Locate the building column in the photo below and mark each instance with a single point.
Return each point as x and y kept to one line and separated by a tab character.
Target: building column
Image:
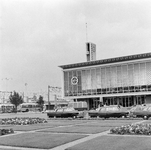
118	103
101	100
88	104
135	98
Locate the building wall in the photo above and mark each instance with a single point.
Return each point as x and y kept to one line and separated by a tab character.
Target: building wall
108	79
148	99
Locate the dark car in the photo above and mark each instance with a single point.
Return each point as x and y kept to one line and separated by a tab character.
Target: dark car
109	111
63	113
144	112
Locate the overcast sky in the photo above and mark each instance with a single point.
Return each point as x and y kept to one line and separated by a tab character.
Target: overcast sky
37	36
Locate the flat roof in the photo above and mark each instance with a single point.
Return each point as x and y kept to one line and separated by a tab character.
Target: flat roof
107	61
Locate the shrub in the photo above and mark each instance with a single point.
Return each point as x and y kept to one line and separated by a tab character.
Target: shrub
22	121
6	131
141	129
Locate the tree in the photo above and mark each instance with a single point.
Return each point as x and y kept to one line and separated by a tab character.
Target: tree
40	102
16	99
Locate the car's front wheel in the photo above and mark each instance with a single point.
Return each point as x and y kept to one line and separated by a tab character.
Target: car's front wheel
27	110
146	117
123	116
73	117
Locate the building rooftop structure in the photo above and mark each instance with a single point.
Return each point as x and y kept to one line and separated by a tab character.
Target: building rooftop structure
107	61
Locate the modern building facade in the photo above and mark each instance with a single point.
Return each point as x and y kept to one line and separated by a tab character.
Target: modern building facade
122	81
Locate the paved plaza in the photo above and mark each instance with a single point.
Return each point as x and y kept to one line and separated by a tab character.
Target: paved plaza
71	134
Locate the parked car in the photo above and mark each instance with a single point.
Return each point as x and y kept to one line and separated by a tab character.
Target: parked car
135	109
109	111
63	113
142	112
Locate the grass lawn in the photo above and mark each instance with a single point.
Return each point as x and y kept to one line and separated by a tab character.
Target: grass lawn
7	148
52	123
86	126
115	143
28	127
38	140
107	124
148	121
77	129
4	126
66	122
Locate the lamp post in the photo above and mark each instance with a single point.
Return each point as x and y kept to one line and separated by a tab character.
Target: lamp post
6	82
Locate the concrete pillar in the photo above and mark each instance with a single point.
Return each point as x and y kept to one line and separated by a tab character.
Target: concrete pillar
88	104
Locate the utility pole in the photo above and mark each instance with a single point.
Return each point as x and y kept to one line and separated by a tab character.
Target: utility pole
54	90
25	94
48	98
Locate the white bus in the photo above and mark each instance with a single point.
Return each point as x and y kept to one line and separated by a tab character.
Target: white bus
6	108
25	107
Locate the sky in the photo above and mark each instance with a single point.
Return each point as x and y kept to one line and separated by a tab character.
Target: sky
37	36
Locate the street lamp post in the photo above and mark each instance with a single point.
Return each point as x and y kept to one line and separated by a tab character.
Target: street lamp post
6	82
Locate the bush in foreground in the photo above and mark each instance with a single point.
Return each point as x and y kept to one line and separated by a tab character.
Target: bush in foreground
22	121
139	129
6	131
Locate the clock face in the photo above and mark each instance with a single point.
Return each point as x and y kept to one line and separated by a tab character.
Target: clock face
74	80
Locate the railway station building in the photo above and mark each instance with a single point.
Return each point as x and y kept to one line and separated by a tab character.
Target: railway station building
124	81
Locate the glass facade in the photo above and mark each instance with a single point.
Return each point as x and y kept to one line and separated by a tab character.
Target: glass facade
109	79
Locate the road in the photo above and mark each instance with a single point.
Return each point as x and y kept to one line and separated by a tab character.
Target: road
26	114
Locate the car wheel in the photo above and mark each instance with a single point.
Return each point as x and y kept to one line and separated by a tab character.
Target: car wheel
123	116
98	117
145	117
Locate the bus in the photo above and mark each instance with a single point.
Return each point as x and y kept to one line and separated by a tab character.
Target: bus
25	107
6	108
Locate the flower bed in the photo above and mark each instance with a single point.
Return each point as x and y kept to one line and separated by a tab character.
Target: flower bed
139	129
6	131
22	121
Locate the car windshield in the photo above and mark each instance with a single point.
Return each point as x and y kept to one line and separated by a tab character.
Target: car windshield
147	109
112	109
102	109
69	109
137	108
98	109
60	110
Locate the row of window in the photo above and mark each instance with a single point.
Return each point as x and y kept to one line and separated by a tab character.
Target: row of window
124	101
110	79
131	89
